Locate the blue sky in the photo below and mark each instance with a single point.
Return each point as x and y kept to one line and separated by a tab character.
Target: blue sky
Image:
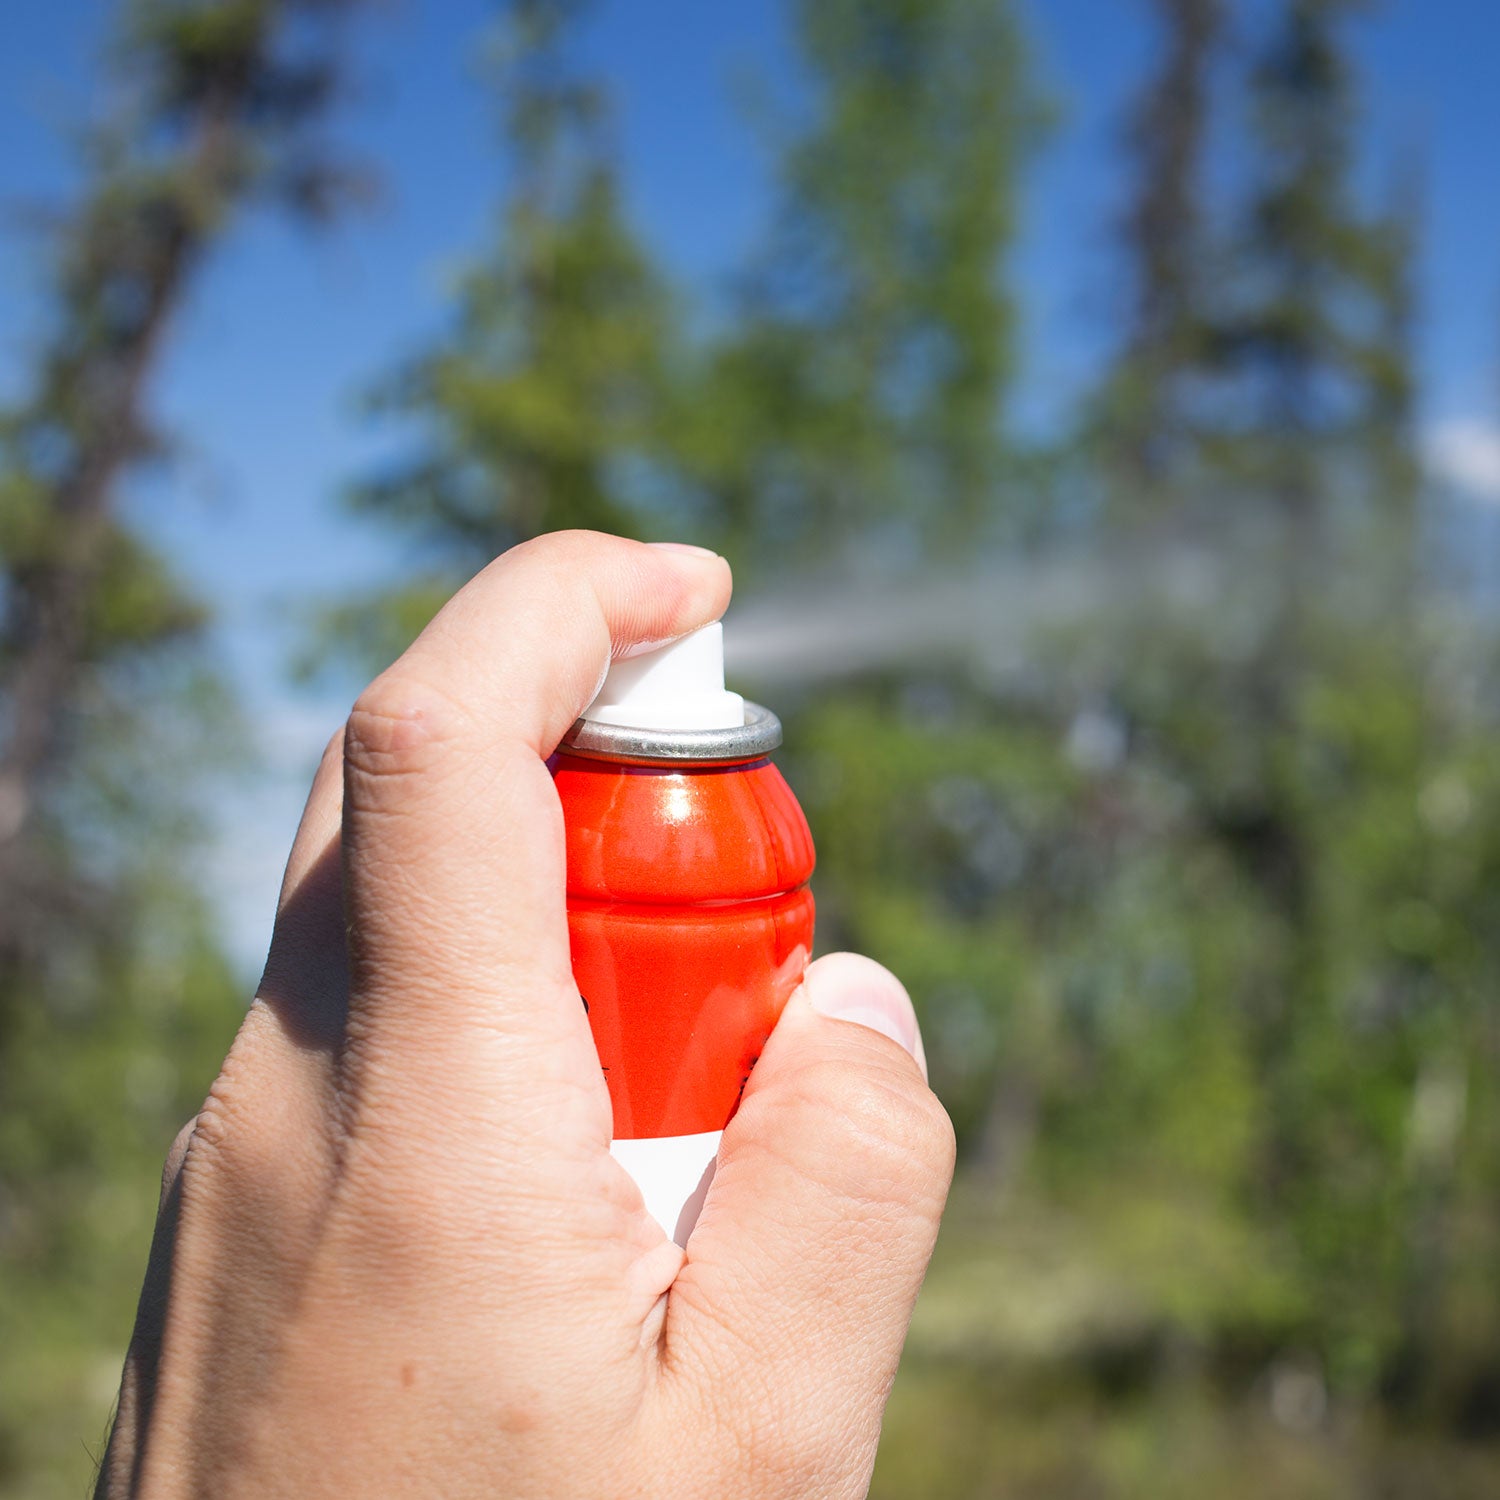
285	330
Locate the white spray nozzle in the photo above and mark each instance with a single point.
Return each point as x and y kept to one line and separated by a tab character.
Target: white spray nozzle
680	686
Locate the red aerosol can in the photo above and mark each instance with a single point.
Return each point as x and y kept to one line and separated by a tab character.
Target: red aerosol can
688	908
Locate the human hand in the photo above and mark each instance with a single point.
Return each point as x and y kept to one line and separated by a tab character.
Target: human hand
394	1255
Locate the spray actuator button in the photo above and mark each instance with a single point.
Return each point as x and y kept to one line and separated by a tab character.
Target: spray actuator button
679	686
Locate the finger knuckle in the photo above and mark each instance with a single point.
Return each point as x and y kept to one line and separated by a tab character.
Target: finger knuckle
398	726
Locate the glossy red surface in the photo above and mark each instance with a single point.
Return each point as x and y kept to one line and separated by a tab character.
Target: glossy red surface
638	833
691	925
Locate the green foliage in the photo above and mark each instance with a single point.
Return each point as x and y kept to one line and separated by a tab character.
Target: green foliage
546	387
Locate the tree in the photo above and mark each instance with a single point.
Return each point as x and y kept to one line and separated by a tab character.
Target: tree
1144	408
1290	740
1305	338
219	112
540	407
115	1001
857	404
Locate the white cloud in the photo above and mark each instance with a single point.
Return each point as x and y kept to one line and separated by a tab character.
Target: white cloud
1465	452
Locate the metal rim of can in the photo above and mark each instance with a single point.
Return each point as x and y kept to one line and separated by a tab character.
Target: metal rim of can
758	735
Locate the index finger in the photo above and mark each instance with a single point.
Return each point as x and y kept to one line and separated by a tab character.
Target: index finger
452	832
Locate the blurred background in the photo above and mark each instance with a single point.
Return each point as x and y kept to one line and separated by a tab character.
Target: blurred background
1099	402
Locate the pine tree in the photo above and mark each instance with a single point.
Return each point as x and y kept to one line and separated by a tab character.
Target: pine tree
1304	338
1144	415
1313	341
858	402
539	408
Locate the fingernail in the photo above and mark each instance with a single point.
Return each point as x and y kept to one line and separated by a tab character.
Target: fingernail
686	547
848	987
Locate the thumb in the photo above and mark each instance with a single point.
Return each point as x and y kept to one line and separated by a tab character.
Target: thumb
821	1218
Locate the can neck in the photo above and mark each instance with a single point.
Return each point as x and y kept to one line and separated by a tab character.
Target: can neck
755	738
584	760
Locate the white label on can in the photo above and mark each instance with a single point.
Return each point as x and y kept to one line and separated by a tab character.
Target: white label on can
673	1173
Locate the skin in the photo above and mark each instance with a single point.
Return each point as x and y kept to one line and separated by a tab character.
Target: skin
394	1255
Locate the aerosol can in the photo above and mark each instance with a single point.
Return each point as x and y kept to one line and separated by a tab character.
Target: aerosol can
688	908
